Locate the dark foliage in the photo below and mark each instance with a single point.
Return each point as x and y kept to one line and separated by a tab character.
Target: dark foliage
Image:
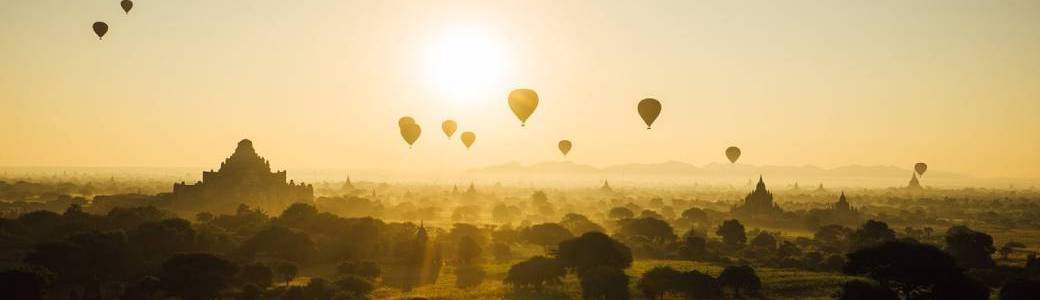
594	249
197	276
658	281
865	290
741	279
1020	289
535	272
732	233
604	282
971	249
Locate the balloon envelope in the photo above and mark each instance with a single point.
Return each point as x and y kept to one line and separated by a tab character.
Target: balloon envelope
649	109
127	5
523	102
405	120
410	133
565	147
100	28
920	168
468	138
449	127
733	153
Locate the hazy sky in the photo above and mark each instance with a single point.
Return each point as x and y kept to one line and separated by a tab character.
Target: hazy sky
321	83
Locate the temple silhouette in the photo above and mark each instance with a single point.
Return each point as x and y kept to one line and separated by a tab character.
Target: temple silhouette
914	184
842	207
243	178
758	203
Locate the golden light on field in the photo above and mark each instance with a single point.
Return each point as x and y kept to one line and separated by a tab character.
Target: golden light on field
465	64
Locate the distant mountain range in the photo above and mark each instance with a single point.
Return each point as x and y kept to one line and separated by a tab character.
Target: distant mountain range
682	169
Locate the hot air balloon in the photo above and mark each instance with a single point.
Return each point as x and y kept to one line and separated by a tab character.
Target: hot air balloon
523	102
127	5
565	147
733	153
410	133
649	109
449	127
468	138
405	120
100	28
920	168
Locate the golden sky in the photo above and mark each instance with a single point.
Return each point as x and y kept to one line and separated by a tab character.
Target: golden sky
322	83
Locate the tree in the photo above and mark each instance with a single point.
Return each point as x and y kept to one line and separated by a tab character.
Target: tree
535	272
971	249
833	263
604	282
579	224
249	292
197	276
695	215
959	286
163	238
297	215
288	271
1009	248
22	284
594	249
546	234
871	233
788	249
764	240
740	278
834	238
1020	289
651	229
281	243
658	281
468	252
697	285
355	286
87	255
694	247
258	274
505	213
646	213
462	230
913	269
621	213
318	288
732	233
865	290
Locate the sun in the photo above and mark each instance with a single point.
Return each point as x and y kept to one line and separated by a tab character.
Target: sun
466	64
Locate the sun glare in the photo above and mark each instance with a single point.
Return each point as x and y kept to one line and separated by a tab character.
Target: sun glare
466	64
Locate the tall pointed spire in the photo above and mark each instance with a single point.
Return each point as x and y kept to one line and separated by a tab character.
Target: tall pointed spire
914	184
761	184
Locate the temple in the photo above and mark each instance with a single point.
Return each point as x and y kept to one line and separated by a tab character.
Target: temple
243	178
758	203
843	208
914	184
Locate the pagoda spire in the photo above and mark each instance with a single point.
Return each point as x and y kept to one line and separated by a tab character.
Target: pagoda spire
914	183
